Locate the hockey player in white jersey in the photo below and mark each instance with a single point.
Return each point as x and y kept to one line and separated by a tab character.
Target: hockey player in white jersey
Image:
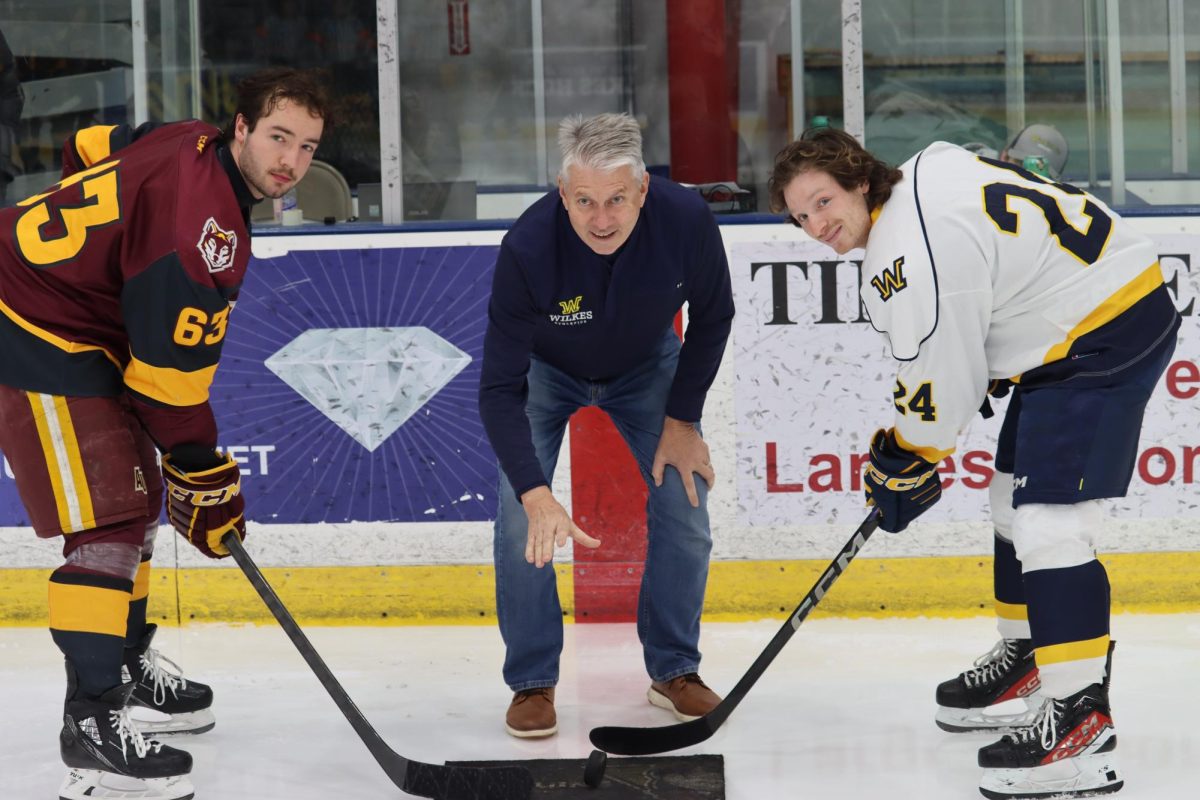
982	275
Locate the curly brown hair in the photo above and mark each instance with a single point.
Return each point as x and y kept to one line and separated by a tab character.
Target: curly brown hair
260	92
838	154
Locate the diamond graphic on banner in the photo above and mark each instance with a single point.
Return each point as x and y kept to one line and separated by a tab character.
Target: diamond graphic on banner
368	381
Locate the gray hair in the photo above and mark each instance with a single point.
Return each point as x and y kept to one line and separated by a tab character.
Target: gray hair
603	142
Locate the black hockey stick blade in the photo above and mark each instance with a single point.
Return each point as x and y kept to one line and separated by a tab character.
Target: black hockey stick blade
647	741
439	781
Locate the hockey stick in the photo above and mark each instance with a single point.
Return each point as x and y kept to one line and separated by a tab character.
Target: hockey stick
438	781
646	741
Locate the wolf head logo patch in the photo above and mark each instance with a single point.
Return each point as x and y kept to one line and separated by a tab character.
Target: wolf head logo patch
217	246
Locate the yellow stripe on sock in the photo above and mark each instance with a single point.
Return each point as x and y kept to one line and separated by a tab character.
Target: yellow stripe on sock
1012	611
88	609
1071	651
141	582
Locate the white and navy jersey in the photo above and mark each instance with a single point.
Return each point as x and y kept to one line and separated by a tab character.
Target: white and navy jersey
977	269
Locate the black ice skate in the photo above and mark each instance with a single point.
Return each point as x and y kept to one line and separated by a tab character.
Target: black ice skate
1067	752
1006	674
109	758
164	702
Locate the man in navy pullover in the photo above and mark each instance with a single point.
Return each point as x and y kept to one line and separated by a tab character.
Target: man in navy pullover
587	285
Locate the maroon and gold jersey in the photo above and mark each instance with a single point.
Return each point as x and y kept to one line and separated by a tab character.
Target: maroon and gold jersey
120	277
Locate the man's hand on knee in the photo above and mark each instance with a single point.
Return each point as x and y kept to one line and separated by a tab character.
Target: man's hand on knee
683	448
549	525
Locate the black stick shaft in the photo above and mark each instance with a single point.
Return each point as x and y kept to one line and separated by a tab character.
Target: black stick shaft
645	741
801	612
439	781
386	757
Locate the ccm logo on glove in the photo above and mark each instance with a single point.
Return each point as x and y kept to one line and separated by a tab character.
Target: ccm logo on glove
897	484
204	497
901	484
205	504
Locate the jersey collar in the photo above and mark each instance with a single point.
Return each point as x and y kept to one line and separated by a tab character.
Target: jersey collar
241	191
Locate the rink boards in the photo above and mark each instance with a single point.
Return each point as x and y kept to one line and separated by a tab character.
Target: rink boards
347	392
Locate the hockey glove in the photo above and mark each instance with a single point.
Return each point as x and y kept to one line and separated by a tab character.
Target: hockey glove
902	485
205	504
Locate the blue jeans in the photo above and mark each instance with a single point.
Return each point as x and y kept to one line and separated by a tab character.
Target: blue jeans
678	543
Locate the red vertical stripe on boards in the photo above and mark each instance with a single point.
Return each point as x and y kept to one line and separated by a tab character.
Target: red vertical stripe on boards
608	500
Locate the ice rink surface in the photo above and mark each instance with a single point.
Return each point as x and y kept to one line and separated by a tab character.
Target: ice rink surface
846	711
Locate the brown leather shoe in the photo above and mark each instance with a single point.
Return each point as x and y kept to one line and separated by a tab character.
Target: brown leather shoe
531	714
686	697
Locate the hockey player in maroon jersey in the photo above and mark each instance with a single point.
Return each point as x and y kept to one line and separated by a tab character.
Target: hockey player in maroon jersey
116	286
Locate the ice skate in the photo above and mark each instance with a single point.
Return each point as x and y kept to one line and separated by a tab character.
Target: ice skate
109	758
996	695
1068	751
164	701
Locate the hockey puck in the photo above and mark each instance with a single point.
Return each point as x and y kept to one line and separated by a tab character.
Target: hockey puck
593	773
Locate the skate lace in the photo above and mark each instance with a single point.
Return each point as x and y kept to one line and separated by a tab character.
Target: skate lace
991	664
128	733
1044	726
164	680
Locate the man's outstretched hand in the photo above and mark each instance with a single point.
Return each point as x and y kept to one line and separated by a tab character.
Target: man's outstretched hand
549	525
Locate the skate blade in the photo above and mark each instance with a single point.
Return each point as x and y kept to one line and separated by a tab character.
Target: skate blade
971	720
94	784
155	723
1082	776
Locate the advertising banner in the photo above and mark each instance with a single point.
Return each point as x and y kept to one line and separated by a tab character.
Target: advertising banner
813	381
347	391
347	388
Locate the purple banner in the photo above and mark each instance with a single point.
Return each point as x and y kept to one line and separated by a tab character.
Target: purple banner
347	388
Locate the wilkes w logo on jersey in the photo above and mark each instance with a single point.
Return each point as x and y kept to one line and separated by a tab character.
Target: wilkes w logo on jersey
217	246
891	281
571	315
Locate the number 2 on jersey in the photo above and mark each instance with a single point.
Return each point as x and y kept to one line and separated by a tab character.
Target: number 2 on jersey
101	206
1086	245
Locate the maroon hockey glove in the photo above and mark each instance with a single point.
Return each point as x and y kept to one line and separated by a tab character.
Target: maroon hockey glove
902	485
204	505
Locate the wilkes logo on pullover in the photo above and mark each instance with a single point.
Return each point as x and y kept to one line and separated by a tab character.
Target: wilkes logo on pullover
571	315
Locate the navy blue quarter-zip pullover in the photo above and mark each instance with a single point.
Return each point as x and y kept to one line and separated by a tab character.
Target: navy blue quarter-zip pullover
555	298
